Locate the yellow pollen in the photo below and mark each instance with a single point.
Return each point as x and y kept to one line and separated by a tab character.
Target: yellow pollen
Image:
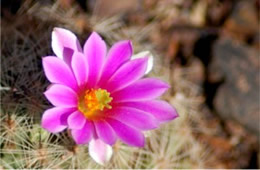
93	101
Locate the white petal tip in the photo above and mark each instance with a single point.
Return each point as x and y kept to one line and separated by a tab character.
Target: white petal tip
150	59
55	29
61	38
100	151
60	30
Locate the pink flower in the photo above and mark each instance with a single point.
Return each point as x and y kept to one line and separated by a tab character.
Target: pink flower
101	96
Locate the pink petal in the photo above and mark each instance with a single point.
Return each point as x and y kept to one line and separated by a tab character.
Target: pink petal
161	110
105	132
134	118
127	134
117	55
127	74
95	50
67	55
80	68
76	120
60	95
51	119
100	151
141	90
57	71
64	43
83	136
64	117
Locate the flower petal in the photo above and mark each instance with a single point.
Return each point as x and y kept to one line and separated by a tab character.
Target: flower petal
127	74
76	120
141	90
83	136
57	71
150	59
117	55
80	68
134	118
100	151
51	119
67	55
64	117
64	43
105	132
161	110
60	95
95	50
127	134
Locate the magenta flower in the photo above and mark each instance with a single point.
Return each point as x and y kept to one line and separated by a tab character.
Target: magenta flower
100	96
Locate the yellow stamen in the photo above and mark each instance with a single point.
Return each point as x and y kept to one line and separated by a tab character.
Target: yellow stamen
93	101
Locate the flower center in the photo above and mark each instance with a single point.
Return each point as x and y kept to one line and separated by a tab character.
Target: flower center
93	101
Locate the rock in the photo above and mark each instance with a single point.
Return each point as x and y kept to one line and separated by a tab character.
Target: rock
243	22
238	97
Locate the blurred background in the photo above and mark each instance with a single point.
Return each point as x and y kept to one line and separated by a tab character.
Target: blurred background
208	50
